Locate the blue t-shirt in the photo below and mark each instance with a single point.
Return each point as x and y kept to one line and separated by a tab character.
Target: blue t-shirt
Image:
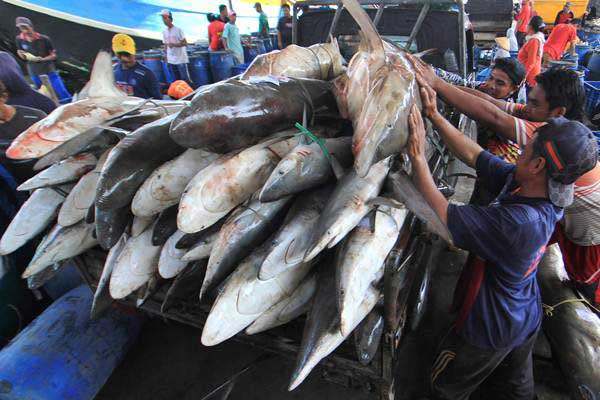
138	81
511	236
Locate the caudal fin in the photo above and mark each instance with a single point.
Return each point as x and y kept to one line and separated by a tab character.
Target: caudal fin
373	40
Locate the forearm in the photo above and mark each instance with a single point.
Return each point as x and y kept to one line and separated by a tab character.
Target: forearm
458	144
425	184
225	44
479	109
50	57
456	80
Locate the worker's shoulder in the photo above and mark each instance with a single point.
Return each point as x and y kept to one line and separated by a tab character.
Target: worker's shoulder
527	212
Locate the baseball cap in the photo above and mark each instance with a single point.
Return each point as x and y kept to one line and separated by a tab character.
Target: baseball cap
122	43
232	13
257	4
23	21
570	150
568	4
165	12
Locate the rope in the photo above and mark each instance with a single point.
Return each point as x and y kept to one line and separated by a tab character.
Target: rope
311	136
549	310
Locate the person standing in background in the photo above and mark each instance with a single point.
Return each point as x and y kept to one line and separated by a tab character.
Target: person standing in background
231	39
223	14
215	32
563	37
531	53
522	22
38	51
263	22
564	15
284	28
175	49
133	78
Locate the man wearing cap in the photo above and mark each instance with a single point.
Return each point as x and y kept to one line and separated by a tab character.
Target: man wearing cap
176	55
263	22
132	77
563	37
564	15
231	39
499	307
38	51
557	93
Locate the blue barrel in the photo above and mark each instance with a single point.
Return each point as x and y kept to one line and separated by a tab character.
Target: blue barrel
220	65
250	52
260	46
200	68
594	67
582	49
268	44
274	42
238	69
153	59
514	54
62	354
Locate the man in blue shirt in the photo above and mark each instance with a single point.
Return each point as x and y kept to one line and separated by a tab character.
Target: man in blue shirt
133	78
491	343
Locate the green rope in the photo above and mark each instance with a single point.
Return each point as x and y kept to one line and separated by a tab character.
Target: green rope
311	136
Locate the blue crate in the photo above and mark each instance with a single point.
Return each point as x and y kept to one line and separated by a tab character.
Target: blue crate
592	96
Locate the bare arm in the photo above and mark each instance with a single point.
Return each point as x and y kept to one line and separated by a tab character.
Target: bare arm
476	108
225	43
279	42
49	57
421	173
460	145
501	104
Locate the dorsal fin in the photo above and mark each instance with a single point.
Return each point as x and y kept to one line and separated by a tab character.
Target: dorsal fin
102	79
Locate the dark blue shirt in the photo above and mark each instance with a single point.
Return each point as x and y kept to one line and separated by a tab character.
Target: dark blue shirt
137	81
511	236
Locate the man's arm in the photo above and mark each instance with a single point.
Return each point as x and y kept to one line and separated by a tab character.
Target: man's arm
460	145
480	110
421	174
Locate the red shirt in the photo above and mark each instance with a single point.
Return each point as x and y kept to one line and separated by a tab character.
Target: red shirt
215	31
558	40
523	18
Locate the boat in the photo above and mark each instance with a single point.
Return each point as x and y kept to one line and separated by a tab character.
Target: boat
79	29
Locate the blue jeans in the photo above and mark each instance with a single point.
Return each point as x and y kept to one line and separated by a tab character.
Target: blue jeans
59	87
176	72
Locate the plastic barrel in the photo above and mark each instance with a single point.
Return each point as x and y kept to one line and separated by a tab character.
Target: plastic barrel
594	67
260	46
250	52
514	54
268	44
200	68
238	69
274	44
582	49
62	354
153	59
220	65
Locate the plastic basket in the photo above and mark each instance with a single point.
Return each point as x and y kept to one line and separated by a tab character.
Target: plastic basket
592	96
597	134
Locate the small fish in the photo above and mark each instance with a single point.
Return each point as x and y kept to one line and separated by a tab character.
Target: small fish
164	187
110	225
68	170
60	244
348	204
102	299
368	336
247	227
135	265
306	167
33	217
39	279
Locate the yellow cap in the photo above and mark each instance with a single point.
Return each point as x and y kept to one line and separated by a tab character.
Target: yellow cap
123	43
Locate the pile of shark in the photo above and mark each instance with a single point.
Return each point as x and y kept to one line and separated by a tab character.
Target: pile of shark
273	195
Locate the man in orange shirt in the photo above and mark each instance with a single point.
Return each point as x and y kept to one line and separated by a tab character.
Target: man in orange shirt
215	31
522	21
530	54
557	93
562	37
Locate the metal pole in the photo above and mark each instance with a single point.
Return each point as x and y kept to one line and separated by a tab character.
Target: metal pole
295	24
418	24
462	38
336	18
379	14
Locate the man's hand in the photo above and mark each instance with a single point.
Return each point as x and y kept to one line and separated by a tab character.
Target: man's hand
416	138
425	71
21	54
428	98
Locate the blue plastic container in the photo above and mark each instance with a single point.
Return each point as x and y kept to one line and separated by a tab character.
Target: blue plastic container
260	46
220	65
200	68
268	44
250	52
153	59
484	74
274	43
594	67
514	54
62	354
238	69
597	135
592	96
582	49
